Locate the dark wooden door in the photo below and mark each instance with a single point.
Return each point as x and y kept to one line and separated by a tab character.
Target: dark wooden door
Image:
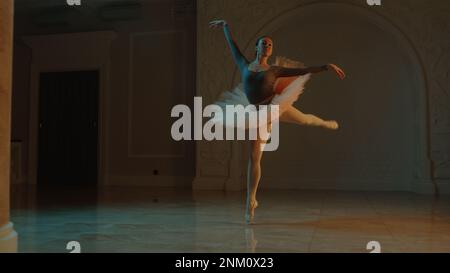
68	134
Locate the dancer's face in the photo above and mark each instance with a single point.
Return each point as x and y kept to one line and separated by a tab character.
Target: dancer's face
264	47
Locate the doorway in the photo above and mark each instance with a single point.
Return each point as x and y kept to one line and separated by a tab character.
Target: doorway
68	131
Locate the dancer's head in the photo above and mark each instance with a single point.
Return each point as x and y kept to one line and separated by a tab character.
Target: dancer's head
264	46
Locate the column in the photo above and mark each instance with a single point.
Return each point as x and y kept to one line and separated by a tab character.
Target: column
8	237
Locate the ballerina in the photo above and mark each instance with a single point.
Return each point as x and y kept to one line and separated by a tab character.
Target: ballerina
264	84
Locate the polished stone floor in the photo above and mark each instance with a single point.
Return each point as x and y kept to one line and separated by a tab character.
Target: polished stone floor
164	220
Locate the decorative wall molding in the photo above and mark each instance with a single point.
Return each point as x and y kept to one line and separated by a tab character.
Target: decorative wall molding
70	52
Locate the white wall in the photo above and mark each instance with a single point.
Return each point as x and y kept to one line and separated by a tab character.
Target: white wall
384	142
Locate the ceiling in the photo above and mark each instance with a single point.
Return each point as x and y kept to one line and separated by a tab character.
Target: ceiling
22	5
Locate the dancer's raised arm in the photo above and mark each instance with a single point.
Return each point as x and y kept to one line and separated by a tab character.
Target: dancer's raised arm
238	57
290	72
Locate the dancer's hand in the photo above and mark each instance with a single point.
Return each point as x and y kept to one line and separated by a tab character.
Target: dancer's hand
217	23
336	69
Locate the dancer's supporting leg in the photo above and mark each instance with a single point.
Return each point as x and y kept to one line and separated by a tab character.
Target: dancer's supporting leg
253	177
293	115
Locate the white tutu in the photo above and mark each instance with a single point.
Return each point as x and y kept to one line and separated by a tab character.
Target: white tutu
237	97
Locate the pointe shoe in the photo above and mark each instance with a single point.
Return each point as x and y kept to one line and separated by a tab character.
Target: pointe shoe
250	214
332	125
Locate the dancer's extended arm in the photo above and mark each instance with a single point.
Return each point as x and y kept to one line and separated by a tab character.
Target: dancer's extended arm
238	57
290	72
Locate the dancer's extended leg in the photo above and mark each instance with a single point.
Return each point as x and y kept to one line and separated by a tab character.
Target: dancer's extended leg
293	115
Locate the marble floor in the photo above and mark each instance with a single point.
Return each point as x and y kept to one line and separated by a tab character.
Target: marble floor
165	220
